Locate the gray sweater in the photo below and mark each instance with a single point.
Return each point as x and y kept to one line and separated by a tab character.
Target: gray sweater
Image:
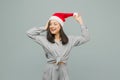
56	52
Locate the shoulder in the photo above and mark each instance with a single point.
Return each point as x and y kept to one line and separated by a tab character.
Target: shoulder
71	36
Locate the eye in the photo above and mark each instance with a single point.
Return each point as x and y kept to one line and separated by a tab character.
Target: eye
55	23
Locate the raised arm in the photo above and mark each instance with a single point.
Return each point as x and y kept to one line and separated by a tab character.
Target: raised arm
35	34
85	35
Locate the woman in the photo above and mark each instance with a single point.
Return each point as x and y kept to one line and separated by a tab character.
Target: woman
57	45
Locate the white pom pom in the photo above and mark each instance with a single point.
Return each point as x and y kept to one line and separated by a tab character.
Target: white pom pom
75	13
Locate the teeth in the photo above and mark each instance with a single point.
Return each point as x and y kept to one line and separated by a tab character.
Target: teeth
53	29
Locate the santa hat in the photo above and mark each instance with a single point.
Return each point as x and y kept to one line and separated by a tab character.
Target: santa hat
60	17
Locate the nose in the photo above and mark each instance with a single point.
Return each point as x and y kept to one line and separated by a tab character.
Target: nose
51	26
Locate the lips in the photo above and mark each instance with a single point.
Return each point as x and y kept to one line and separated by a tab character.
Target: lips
53	29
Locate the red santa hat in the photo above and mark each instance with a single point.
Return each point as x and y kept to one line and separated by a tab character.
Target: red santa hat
60	17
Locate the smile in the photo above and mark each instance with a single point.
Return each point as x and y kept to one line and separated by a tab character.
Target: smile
53	29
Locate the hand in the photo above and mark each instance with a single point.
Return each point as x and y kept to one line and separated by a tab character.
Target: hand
78	18
46	25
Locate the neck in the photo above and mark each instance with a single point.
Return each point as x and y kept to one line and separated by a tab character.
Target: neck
57	37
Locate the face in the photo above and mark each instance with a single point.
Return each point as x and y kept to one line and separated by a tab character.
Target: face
54	27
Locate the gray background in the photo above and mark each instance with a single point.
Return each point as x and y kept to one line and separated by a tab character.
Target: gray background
23	59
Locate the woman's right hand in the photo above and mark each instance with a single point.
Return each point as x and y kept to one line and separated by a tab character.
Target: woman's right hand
46	26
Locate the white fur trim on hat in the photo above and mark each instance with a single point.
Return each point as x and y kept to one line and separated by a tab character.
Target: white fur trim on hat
75	13
57	19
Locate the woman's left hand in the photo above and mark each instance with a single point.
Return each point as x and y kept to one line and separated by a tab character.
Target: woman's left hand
78	18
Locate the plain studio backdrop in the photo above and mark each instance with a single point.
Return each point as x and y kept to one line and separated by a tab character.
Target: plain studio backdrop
23	59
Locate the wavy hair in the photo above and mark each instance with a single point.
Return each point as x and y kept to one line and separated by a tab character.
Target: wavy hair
51	37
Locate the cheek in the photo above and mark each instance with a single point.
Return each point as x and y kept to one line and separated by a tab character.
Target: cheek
58	29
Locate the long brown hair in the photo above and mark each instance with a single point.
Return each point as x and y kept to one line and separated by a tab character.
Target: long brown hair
51	37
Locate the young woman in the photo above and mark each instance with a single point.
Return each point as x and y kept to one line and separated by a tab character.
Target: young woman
57	45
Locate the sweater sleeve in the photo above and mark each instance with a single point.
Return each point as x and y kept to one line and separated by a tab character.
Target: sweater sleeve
35	34
83	38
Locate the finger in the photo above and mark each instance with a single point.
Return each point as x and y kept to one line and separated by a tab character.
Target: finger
74	15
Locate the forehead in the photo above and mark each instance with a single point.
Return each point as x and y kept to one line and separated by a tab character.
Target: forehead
54	21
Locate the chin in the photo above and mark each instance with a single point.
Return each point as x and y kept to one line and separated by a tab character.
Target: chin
53	33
